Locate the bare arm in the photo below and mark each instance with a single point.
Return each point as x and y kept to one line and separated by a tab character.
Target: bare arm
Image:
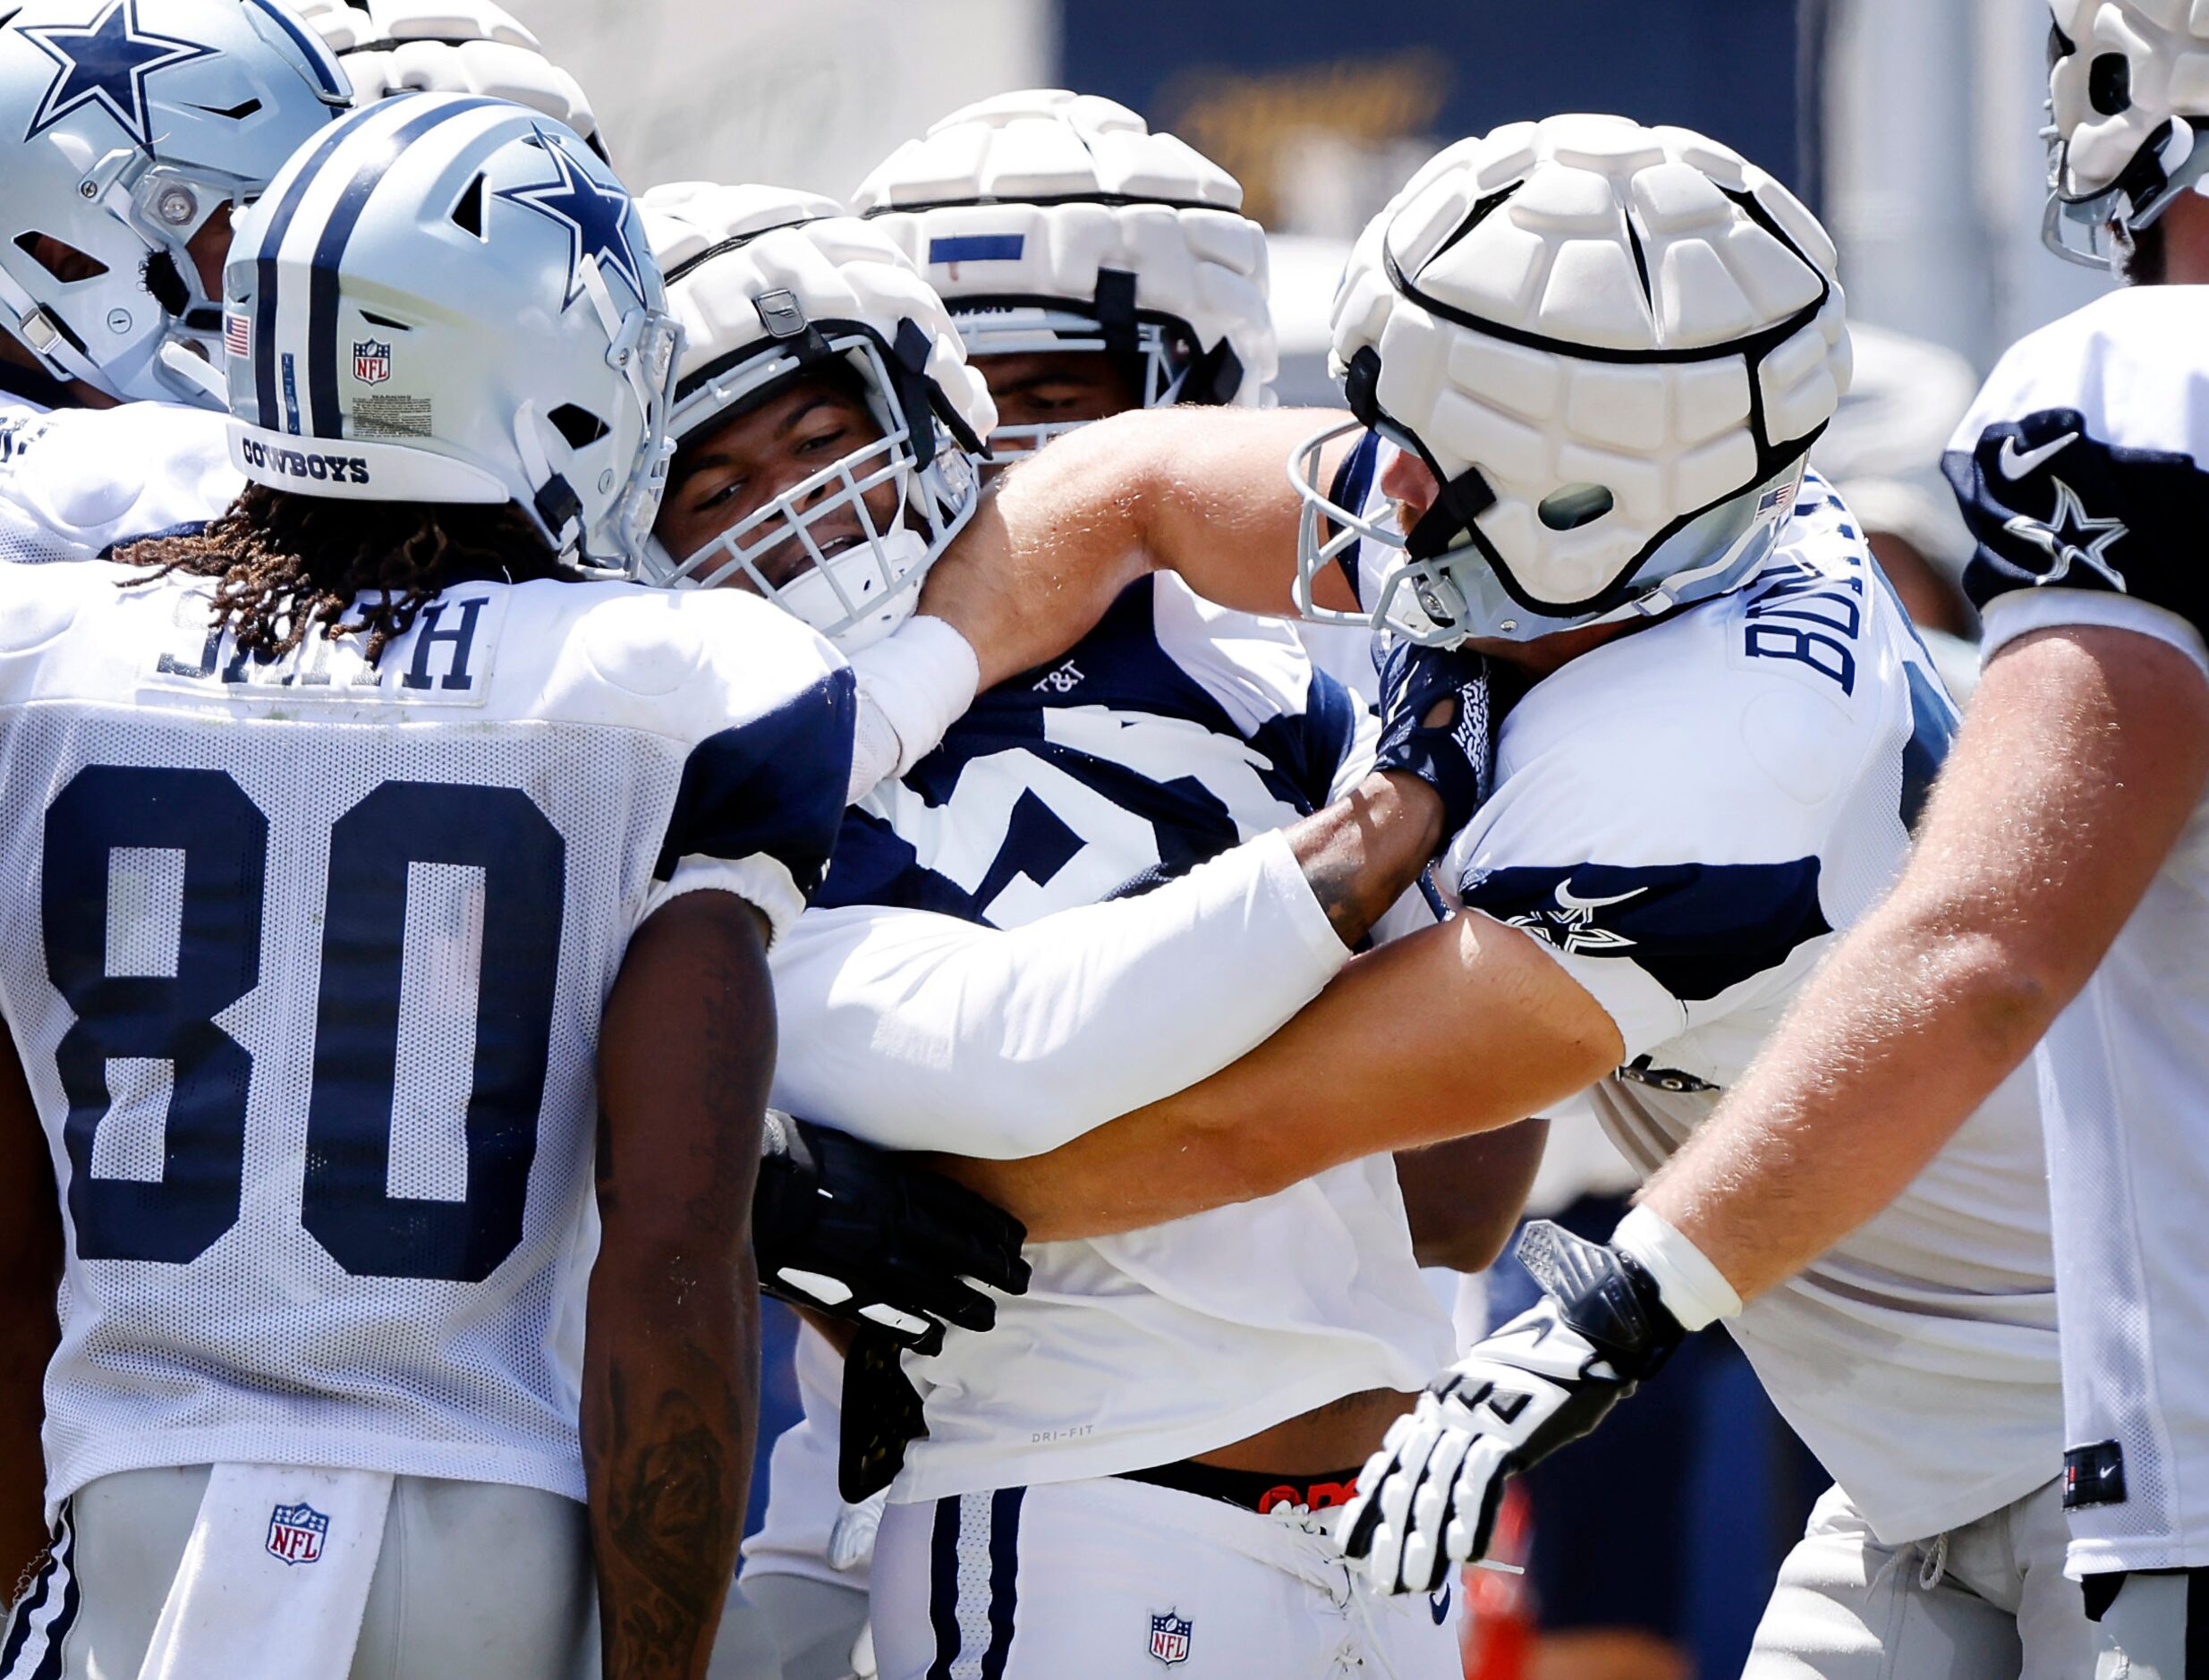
671	1358
2084	754
1203	492
1459	1028
1463	1197
30	1274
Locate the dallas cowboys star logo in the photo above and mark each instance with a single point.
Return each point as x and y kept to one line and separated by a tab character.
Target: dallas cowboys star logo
596	218
2072	539
1570	928
105	62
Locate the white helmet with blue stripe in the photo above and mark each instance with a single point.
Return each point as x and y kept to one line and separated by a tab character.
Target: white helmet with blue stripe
1611	346
1057	221
130	124
451	299
771	284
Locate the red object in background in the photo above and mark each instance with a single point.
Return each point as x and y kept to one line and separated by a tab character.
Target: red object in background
1498	1636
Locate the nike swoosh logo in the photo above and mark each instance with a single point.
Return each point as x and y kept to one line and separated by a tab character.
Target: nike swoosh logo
1439	1605
2017	462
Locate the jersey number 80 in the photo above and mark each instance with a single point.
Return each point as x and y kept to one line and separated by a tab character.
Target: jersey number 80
345	1204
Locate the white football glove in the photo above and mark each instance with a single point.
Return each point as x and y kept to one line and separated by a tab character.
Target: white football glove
389	47
1426	1502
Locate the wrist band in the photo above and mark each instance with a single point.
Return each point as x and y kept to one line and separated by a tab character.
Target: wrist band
1694	1291
916	683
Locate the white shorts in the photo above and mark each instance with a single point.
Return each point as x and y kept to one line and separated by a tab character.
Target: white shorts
1988	1601
794	1625
1108	1579
474	1578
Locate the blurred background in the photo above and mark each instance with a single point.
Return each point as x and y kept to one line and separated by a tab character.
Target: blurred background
1910	126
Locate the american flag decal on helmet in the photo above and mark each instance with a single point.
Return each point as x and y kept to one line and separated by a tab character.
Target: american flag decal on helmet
237	335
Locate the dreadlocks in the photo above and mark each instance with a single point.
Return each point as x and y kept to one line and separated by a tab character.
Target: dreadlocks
285	562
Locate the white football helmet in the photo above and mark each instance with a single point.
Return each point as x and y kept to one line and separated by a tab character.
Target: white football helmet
1613	347
2129	116
387	47
129	123
1057	221
451	299
769	282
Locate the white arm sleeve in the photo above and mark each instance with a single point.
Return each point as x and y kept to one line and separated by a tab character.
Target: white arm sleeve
917	1030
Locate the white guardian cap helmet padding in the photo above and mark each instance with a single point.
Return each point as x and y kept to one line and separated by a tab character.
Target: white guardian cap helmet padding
1612	345
451	299
129	123
388	46
2129	119
1057	221
770	284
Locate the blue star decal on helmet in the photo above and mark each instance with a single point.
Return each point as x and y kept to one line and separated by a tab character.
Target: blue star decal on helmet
105	62
596	218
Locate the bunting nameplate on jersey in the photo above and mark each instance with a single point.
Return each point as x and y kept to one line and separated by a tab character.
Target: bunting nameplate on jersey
2051	503
443	660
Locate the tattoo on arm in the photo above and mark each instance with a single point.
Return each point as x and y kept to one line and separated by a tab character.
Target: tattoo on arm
668	1484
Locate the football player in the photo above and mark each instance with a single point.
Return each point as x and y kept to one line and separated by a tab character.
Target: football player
386	980
1070	315
135	129
962	988
1585	361
2058	884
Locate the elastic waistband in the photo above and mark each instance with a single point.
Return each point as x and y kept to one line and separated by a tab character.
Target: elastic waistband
1250	1490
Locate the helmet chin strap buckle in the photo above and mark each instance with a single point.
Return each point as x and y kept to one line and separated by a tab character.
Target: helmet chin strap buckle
41	332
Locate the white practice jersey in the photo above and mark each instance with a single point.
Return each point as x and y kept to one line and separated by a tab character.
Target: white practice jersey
306	962
1170	733
75	482
2084	471
1685	817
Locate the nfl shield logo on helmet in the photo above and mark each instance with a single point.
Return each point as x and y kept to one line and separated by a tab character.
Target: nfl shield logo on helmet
296	1532
371	362
1169	1638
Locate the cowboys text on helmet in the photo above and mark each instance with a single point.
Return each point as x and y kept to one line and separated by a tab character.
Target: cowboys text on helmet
451	299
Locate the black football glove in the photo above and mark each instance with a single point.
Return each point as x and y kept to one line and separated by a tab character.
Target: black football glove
881	1413
1456	757
863	1235
1426	1502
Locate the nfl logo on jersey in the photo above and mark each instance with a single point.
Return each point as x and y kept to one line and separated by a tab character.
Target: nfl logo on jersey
296	1534
371	361
1169	1638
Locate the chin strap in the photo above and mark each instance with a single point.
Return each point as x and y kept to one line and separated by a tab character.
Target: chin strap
1458	501
197	373
554	500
